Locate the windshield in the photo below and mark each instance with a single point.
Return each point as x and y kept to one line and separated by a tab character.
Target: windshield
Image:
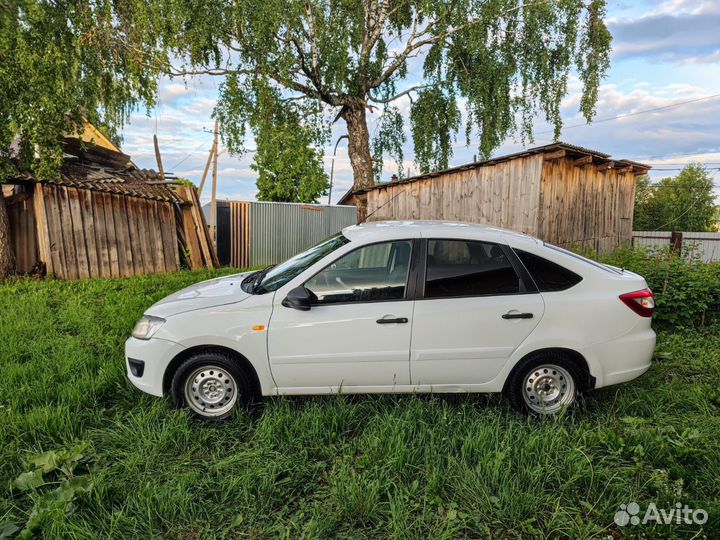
279	275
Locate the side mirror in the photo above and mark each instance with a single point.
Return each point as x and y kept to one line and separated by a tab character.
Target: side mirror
299	298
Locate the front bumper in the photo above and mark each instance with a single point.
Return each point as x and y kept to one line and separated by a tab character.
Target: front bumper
155	355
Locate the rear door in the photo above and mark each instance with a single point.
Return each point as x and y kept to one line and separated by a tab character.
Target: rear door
472	311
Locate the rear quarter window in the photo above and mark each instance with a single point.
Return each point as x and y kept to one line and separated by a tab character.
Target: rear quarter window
548	276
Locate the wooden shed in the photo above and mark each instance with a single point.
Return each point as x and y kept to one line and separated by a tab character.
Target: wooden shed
104	217
563	194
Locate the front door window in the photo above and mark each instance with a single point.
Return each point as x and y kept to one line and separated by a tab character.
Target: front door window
373	273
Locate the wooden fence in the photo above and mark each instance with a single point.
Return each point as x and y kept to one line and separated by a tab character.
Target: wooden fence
84	233
705	245
22	231
240	240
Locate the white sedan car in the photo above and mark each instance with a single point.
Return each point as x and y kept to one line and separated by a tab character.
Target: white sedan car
397	307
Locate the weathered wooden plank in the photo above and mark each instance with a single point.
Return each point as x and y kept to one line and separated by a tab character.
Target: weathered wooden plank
191	237
57	248
154	240
78	232
248	232
585	160
122	237
202	234
236	238
557	154
214	262
107	203
41	225
71	268
414	200
86	207
166	219
159	237
101	241
133	236
140	217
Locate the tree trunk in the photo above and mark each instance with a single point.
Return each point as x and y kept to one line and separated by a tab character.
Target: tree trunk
359	152
7	257
359	146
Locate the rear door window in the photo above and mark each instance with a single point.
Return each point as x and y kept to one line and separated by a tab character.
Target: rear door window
468	268
548	276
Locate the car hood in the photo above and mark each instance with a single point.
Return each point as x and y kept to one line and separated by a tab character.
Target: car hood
210	293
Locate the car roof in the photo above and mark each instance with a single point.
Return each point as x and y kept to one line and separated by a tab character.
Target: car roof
376	231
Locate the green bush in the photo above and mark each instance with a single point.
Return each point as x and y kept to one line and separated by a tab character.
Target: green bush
687	290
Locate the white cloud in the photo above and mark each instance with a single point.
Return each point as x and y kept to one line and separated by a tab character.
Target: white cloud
679	31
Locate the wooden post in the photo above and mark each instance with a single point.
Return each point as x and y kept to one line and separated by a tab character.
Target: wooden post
213	199
41	226
676	241
159	159
213	149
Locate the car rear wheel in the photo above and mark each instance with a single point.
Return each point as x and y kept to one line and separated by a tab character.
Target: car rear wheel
546	383
211	385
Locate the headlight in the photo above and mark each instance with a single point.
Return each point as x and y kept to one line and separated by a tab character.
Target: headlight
147	326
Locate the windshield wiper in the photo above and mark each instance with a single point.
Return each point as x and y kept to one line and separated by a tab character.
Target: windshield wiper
256	279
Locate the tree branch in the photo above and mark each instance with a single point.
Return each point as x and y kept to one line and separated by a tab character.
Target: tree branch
401	94
412	46
313	38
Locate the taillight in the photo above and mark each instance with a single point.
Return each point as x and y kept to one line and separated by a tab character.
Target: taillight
641	302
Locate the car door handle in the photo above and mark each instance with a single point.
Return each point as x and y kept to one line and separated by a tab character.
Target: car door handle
399	320
518	316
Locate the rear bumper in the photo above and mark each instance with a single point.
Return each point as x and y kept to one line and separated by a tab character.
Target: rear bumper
154	355
622	359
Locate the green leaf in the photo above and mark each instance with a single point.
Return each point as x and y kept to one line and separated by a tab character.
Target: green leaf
47	461
29	480
68	490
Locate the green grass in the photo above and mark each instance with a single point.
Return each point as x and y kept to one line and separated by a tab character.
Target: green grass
340	467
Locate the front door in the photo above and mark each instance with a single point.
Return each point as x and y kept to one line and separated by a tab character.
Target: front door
357	333
474	312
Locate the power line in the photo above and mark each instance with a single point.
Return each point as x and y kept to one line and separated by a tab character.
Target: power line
627	115
183	160
690	207
649	158
683	168
681	164
665	186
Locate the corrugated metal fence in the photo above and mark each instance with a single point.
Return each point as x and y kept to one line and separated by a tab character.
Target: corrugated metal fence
264	233
705	245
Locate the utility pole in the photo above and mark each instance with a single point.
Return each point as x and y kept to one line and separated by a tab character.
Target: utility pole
213	200
213	149
332	167
158	158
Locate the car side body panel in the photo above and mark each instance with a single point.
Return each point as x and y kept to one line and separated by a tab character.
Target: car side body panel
588	318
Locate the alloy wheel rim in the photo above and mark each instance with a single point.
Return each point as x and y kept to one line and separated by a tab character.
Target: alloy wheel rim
547	389
210	391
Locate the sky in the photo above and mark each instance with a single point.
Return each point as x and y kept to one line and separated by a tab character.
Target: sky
663	84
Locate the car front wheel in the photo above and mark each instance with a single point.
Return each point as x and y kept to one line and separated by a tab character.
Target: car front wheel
544	384
211	385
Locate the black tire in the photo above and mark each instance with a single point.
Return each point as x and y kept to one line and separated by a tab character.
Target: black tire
542	384
232	384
